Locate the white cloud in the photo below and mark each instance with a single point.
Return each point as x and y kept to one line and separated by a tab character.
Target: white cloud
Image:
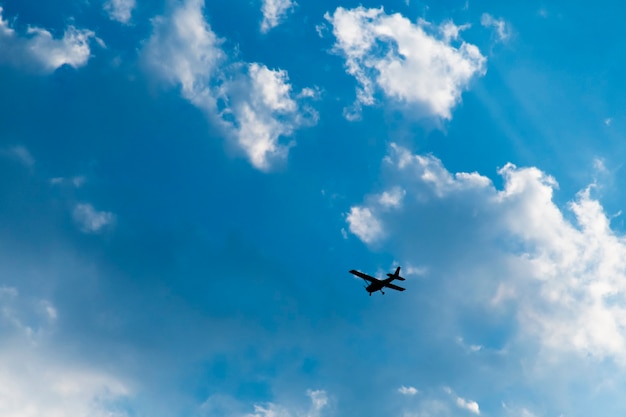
264	110
32	384
268	410
468	405
319	401
90	220
519	412
77	181
184	51
469	348
120	10
274	12
253	104
566	278
72	49
410	391
408	270
450	31
5	29
364	224
35	380
502	28
392	198
21	154
307	92
40	50
8	291
411	63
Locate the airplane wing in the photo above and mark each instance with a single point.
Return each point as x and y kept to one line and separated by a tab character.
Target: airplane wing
394	287
364	276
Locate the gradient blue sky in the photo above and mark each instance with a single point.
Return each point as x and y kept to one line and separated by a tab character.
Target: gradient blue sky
185	184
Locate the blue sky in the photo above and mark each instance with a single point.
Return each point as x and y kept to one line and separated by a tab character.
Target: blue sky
184	186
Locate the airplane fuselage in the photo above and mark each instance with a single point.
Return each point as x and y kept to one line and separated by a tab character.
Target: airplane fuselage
379	285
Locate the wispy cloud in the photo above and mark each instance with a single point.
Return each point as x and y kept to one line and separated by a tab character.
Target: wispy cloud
224	405
120	10
90	220
21	154
35	380
502	28
410	391
76	182
411	63
392	197
274	12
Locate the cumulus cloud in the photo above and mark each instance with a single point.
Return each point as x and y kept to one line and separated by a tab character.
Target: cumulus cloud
411	63
264	109
120	10
274	12
565	271
501	27
255	106
90	220
39	50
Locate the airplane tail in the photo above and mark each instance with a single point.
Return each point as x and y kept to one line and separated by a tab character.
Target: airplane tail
396	275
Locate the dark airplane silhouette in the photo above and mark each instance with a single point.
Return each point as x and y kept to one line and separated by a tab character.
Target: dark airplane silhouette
379	284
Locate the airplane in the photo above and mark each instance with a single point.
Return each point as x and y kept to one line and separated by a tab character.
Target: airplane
379	284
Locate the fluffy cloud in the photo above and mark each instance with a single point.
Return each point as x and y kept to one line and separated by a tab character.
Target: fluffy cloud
120	10
264	110
253	104
468	405
564	272
363	223
274	11
90	220
34	380
411	63
39	50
